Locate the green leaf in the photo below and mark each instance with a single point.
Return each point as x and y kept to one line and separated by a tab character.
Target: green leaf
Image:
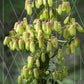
56	15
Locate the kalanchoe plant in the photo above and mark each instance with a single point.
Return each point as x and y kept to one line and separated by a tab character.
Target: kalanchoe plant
41	40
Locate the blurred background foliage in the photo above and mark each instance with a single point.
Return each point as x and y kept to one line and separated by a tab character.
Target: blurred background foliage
13	61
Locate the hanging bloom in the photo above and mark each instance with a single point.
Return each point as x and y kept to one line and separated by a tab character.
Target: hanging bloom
40	2
29	9
27	44
47	72
66	20
37	63
60	9
36	4
30	61
54	42
15	45
21	44
15	26
72	46
25	35
68	8
19	79
32	46
26	3
44	26
48	27
45	14
62	61
64	6
65	33
25	20
40	33
6	40
38	26
68	50
50	2
49	46
41	41
44	2
36	73
60	75
20	28
56	25
77	41
11	45
72	30
25	72
54	76
79	28
43	58
59	54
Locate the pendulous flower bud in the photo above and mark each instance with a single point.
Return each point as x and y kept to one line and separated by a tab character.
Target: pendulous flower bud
64	72
62	61
48	27
44	26
50	2
20	28
79	28
49	46
68	8
40	33
25	35
38	26
41	41
77	41
40	2
25	21
30	61
25	72
19	80
45	14
67	50
37	4
27	44
15	45
64	6
32	47
66	20
47	72
54	42
36	73
37	63
54	76
72	46
56	25
26	3
59	54
60	9
21	44
29	9
43	59
44	2
6	40
11	45
65	33
72	30
60	76
15	26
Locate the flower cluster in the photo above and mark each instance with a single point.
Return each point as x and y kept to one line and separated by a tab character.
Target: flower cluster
41	39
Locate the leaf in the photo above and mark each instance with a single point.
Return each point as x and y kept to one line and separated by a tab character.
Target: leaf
56	15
